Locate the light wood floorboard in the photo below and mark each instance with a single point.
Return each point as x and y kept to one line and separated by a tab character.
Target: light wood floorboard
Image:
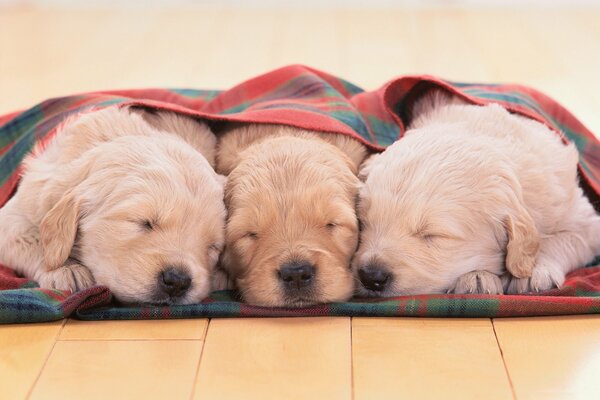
110	369
24	350
190	329
414	358
552	358
282	358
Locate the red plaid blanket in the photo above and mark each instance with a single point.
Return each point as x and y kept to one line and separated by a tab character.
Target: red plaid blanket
310	99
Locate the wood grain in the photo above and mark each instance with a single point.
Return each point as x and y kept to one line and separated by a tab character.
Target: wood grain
161	369
415	358
282	358
23	353
552	358
135	330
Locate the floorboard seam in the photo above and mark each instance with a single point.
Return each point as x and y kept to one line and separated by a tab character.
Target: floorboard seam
352	395
37	378
512	387
205	337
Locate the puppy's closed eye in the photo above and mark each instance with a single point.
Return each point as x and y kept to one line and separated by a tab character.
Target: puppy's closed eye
430	233
428	237
250	235
147	225
426	233
433	237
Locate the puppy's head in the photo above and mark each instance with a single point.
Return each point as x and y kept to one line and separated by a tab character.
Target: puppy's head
435	206
147	218
292	226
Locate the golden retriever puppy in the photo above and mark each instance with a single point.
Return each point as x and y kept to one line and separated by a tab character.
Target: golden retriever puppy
292	226
470	195
116	201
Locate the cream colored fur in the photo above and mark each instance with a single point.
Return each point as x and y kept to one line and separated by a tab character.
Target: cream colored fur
79	214
474	200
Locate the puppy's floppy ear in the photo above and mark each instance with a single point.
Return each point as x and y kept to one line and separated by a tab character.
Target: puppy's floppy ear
523	243
58	230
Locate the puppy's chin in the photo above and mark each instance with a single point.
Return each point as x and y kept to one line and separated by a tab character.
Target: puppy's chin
147	293
270	292
282	300
410	284
157	299
363	292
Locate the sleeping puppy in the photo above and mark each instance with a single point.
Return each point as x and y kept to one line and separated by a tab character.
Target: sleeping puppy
472	200
118	201
292	226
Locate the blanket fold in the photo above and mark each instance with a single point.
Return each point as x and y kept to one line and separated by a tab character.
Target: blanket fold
306	98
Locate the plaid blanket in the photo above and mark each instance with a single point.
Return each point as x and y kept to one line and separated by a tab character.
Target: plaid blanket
306	98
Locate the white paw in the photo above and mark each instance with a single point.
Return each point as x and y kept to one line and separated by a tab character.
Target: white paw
72	277
482	282
545	276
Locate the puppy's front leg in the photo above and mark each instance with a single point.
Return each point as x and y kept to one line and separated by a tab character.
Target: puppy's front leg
557	257
478	282
21	249
71	276
20	243
560	254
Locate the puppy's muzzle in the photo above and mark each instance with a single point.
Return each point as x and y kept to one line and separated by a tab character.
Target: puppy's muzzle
174	282
374	277
297	275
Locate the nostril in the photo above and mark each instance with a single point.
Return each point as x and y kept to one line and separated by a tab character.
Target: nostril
296	275
306	276
174	281
374	277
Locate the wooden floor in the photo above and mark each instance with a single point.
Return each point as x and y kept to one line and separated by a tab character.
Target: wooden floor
51	52
303	358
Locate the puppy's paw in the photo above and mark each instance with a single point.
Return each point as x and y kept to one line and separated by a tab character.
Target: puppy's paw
545	276
482	282
518	285
71	276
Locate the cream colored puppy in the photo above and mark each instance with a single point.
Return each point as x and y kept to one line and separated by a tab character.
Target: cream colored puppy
121	202
292	226
469	195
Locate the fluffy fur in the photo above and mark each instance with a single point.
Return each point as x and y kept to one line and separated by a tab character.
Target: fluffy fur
116	201
291	198
473	200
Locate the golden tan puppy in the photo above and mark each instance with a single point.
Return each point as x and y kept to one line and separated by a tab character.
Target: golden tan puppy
116	201
469	195
292	226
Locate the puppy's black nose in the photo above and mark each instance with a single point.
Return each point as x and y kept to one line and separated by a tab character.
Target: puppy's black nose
297	275
374	277
174	281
